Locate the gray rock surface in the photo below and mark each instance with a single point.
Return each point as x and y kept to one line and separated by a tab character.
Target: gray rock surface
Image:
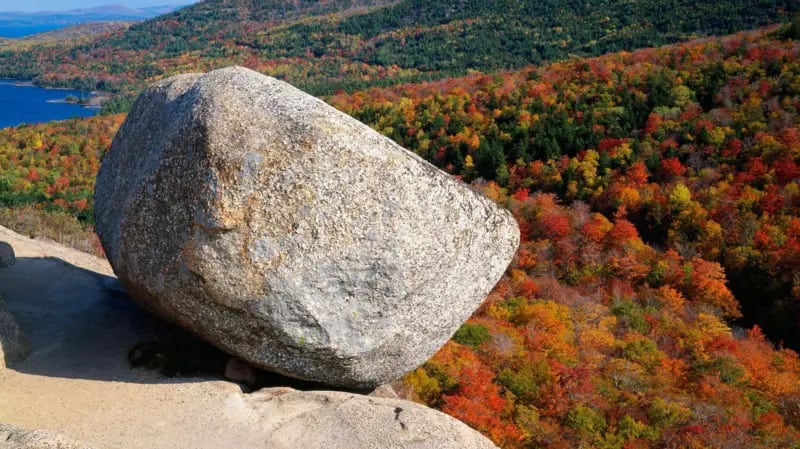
13	344
77	380
7	257
385	391
334	420
291	235
16	438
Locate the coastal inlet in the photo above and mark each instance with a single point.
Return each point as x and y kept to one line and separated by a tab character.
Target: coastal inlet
23	102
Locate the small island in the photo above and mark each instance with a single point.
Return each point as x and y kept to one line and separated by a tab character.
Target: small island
90	100
82	100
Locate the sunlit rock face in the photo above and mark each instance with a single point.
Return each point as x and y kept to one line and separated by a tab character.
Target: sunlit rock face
290	234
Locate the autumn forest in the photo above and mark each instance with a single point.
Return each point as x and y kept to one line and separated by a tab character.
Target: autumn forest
653	302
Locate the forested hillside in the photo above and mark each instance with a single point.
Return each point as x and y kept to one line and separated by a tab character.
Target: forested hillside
352	44
654	189
697	144
54	165
658	192
75	33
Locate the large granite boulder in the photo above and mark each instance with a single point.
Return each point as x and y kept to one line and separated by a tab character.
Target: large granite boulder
292	419
291	235
15	438
77	380
13	344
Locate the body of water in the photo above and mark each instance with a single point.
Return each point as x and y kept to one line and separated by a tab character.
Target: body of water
25	103
22	31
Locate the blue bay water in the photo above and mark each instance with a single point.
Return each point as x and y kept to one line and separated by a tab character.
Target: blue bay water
22	31
23	103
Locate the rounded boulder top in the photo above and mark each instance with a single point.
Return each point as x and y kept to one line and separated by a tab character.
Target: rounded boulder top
290	234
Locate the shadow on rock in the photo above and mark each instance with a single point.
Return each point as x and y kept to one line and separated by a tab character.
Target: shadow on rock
81	324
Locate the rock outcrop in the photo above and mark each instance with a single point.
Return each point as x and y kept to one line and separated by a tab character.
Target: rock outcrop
13	344
15	438
77	382
7	257
334	420
291	235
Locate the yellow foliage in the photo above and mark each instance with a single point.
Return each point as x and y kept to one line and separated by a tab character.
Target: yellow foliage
549	328
680	196
425	388
499	313
517	276
671	298
623	152
717	135
596	340
705	329
468	162
629	197
588	167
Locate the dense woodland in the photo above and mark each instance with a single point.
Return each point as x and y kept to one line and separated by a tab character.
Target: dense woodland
658	193
54	165
696	144
651	188
352	44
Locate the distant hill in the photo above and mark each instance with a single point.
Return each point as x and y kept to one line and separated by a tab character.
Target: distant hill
351	44
72	32
20	24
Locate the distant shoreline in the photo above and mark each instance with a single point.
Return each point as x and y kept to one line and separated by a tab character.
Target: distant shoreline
94	102
31	83
24	105
95	98
18	83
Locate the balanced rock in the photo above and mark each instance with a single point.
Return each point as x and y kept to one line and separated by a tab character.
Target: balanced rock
292	419
290	234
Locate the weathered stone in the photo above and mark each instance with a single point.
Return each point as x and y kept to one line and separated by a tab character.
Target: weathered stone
15	438
335	420
385	391
77	380
13	345
291	235
7	257
283	418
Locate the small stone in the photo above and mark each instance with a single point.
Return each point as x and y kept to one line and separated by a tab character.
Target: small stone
385	391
